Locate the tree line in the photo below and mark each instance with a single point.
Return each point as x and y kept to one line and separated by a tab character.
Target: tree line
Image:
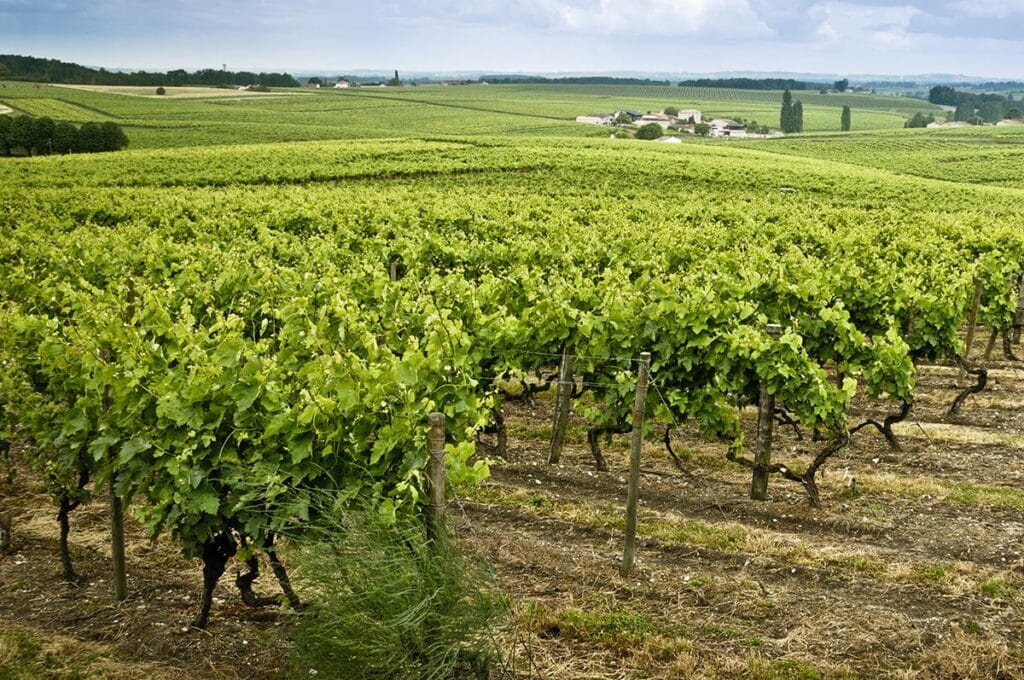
752	83
34	69
977	108
43	136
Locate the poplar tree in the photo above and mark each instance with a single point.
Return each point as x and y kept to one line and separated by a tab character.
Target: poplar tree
844	120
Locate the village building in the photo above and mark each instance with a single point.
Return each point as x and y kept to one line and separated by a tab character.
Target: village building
688	115
596	119
342	83
727	127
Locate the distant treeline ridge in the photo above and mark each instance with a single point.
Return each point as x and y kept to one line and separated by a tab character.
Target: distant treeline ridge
15	67
581	80
752	83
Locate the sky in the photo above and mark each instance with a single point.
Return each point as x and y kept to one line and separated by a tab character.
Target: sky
970	37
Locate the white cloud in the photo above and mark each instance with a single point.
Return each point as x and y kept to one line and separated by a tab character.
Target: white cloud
989	9
734	18
878	27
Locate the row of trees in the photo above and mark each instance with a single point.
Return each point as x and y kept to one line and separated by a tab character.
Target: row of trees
988	108
792	116
44	136
15	67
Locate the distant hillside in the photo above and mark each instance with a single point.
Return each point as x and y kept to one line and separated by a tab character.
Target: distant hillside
752	83
577	80
15	67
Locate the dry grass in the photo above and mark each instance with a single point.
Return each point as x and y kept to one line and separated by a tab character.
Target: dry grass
26	655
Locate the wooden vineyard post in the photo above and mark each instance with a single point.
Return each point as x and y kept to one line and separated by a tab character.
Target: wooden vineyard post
1018	318
562	402
633	492
117	544
765	423
117	559
972	323
435	474
394	270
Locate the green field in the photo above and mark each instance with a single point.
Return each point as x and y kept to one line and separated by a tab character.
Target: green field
258	304
474	111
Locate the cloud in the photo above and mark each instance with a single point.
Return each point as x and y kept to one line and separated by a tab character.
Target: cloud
880	27
734	18
994	9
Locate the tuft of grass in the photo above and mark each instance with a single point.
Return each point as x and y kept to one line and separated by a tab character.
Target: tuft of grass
931	573
785	669
619	626
388	603
995	588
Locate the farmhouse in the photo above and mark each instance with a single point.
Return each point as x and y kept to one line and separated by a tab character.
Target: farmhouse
657	118
727	127
596	119
639	118
688	115
950	124
342	83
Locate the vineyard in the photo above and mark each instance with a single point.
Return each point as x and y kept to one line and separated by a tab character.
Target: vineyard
212	338
430	111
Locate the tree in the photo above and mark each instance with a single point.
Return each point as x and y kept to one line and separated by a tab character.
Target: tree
396	81
112	137
841	85
650	131
161	90
20	134
798	117
1014	113
42	134
964	111
702	129
844	120
90	138
671	111
314	81
623	118
918	120
65	135
992	111
5	131
786	116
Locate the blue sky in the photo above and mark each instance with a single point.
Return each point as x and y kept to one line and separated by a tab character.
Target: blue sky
973	37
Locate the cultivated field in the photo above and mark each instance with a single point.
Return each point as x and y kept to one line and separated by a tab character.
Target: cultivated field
170	92
208	309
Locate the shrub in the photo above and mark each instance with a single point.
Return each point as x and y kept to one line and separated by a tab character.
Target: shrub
386	603
650	131
161	91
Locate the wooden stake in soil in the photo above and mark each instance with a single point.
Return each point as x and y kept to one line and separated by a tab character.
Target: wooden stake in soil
765	423
117	544
562	402
972	323
1018	318
435	473
633	493
120	576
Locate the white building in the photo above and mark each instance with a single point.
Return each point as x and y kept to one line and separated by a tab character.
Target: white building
342	83
596	119
656	118
668	139
727	127
685	116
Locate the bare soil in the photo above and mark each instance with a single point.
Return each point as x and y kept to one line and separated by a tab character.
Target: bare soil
912	567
